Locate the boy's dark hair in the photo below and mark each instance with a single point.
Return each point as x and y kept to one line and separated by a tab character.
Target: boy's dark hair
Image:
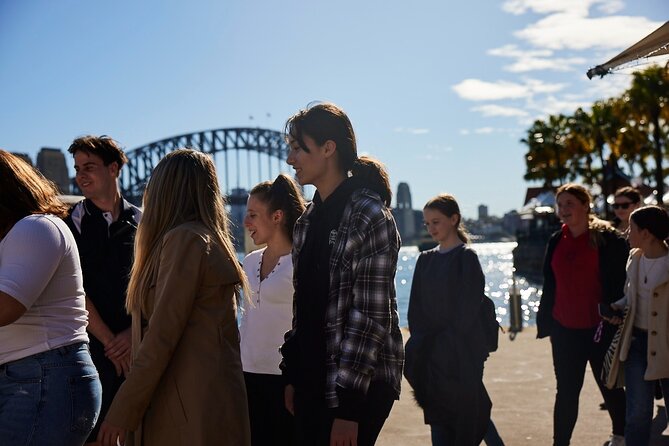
103	146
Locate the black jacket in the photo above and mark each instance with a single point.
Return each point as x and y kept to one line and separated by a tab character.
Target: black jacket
446	350
613	253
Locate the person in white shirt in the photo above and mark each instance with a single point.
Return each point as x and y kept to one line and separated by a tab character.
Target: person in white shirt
644	344
272	209
49	388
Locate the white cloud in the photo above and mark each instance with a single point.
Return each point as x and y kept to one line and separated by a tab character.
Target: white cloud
552	105
611	7
478	90
571	30
464	132
484	130
581	7
498	110
411	130
532	60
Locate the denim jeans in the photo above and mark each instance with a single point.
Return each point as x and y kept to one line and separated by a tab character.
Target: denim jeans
51	398
640	393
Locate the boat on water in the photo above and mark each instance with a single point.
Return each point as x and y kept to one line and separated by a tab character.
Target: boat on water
538	222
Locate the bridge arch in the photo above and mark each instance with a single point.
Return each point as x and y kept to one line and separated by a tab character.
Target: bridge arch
228	141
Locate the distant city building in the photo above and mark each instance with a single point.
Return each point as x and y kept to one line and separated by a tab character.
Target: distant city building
24	156
237	202
511	222
483	211
405	216
51	162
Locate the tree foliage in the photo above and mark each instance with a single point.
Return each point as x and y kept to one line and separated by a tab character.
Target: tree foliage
630	130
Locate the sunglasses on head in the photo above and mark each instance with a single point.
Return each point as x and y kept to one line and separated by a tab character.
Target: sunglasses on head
621	205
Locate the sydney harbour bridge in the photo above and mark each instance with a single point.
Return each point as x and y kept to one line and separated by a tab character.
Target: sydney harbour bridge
243	157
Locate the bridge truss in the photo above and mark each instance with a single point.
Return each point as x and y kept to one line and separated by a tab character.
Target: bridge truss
268	146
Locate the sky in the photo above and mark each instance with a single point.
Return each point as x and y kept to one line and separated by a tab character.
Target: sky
441	92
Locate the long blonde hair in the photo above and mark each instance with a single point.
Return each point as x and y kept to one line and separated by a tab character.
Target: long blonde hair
183	187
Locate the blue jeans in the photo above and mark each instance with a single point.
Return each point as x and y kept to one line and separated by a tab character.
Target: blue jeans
640	393
51	398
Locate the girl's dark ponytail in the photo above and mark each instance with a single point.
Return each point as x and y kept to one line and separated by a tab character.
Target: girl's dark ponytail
374	176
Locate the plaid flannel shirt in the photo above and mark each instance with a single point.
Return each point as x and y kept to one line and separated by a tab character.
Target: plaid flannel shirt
363	339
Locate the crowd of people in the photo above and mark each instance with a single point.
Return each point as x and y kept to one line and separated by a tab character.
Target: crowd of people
121	325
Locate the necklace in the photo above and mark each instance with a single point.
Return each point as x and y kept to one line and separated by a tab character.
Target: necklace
647	271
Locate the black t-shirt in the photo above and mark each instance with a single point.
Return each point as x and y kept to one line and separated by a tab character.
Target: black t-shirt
106	253
313	286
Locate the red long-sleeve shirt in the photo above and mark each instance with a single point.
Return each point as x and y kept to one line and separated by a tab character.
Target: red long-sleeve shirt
578	290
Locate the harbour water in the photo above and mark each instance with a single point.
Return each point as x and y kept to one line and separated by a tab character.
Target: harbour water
497	264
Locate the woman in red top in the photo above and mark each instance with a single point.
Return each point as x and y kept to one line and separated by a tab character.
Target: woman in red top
584	266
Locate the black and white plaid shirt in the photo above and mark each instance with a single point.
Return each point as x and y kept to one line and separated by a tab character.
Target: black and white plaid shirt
363	339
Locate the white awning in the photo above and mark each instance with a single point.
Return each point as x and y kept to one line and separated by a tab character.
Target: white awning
655	44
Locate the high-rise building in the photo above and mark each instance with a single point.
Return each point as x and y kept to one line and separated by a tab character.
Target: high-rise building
237	202
51	162
483	211
404	214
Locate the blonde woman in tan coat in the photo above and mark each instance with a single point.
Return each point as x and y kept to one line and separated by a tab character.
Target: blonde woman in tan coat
185	386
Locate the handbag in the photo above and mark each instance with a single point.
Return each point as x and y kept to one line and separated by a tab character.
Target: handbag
613	375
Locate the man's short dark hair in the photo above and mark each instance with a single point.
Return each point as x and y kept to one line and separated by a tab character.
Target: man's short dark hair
103	146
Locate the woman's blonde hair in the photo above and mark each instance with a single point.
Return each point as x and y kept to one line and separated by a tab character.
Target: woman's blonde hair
183	187
595	225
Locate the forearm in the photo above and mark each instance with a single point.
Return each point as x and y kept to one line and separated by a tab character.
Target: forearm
96	326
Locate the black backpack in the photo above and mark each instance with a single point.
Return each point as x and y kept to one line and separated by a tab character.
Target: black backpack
489	324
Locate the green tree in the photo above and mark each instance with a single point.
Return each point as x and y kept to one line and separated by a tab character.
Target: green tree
648	96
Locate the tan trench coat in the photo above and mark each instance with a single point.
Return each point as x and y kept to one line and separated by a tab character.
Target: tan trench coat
658	322
186	385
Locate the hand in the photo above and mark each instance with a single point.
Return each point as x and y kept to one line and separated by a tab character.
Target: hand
289	398
344	433
122	365
615	320
120	345
109	435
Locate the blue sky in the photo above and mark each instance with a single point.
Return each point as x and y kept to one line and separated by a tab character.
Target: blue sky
441	92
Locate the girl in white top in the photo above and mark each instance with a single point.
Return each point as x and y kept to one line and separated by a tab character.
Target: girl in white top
644	345
272	209
49	388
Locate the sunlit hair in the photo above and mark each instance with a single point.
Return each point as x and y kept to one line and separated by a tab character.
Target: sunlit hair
108	149
628	192
25	191
654	219
595	225
324	121
447	205
283	195
183	187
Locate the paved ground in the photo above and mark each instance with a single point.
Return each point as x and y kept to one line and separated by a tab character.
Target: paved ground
521	383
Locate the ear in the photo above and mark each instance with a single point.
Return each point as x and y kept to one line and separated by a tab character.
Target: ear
455	219
329	148
114	169
277	216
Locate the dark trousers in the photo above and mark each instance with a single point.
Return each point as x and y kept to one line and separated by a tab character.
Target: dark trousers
313	420
572	350
271	423
109	380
